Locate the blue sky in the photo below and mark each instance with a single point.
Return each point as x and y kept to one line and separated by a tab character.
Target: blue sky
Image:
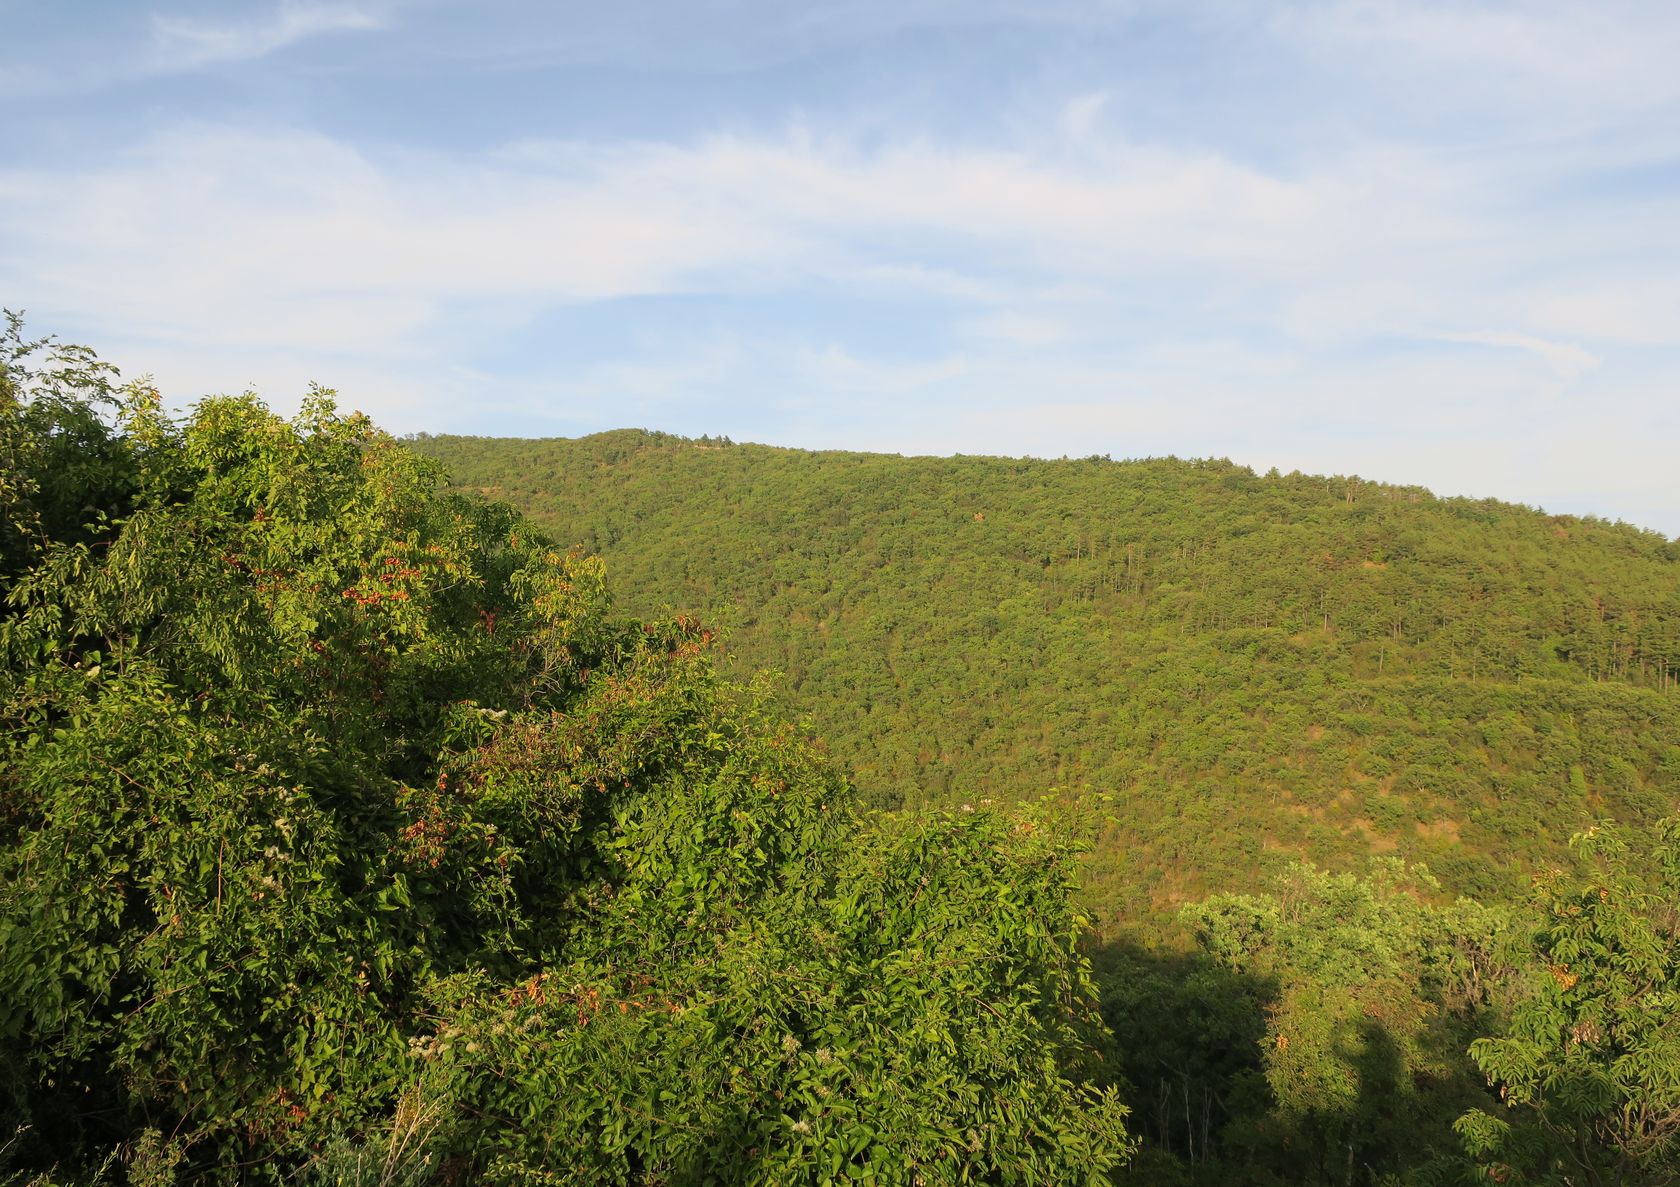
1419	240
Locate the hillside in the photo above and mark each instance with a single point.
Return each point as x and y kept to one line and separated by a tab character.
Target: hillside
1253	666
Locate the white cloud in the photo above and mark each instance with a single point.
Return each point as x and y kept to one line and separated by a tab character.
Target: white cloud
266	237
276	236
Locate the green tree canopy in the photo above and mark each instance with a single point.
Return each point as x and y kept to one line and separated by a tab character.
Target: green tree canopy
347	826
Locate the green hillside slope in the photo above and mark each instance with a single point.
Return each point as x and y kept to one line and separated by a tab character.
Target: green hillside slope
1252	666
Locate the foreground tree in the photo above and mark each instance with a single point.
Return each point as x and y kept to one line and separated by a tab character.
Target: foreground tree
1589	1064
60	465
347	831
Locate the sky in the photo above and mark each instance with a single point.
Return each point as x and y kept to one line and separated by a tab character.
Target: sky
1421	241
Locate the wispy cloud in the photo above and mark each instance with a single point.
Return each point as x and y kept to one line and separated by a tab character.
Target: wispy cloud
182	42
269	238
1565	358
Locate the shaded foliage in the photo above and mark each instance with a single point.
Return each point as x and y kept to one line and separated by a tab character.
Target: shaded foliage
1316	1034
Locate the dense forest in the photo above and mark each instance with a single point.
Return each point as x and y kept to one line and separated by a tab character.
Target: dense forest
1249	667
356	829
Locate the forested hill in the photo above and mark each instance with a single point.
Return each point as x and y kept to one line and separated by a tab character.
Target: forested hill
1252	665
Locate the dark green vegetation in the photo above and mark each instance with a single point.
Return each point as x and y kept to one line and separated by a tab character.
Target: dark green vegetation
1250	666
348	834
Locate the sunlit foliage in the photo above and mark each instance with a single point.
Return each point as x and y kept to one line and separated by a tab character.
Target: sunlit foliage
349	834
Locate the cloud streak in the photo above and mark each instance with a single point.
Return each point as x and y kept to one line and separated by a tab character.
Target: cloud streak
1565	358
182	43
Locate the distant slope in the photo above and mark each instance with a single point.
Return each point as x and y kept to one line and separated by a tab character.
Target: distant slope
1253	666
